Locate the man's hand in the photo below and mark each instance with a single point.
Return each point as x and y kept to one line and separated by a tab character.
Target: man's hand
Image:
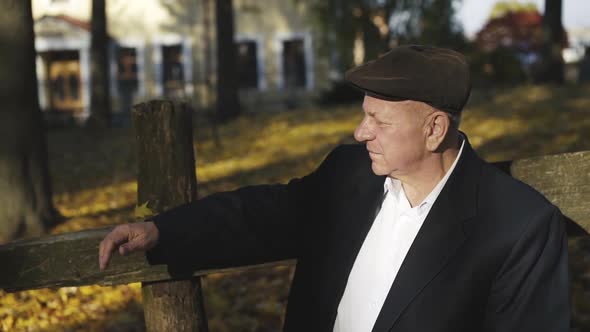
139	236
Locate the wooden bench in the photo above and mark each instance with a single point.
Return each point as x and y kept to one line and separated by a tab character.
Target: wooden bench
71	259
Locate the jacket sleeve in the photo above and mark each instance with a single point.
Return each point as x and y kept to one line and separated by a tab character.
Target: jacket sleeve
531	292
247	226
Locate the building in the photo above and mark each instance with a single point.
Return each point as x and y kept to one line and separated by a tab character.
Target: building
166	49
577	55
579	41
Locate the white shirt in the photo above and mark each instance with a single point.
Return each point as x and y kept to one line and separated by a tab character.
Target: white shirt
394	229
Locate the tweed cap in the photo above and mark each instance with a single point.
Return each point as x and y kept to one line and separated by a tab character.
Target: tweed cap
436	76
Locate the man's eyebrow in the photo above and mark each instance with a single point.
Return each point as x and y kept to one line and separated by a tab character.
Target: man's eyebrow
370	112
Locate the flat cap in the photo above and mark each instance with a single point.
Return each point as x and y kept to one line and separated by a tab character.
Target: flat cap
436	76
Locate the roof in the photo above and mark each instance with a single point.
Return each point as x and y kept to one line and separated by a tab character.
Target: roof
85	25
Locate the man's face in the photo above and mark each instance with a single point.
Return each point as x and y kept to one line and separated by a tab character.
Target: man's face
394	134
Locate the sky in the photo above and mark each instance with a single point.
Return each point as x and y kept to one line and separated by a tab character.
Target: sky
474	13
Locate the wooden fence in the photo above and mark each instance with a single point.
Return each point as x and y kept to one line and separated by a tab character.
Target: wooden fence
166	178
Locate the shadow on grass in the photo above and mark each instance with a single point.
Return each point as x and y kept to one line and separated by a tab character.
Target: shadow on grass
130	318
274	172
279	171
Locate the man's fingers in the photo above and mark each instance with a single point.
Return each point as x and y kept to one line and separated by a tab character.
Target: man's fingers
116	237
127	238
129	247
105	256
106	248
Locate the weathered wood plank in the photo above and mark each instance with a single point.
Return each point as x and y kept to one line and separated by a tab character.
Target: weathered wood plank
564	179
72	260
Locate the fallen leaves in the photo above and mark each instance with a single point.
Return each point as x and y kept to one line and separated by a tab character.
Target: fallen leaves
67	308
142	211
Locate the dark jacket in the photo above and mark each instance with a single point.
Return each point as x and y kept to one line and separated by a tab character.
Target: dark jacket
490	256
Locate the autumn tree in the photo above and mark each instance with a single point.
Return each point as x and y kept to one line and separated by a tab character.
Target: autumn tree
100	103
228	104
516	27
519	26
503	8
26	207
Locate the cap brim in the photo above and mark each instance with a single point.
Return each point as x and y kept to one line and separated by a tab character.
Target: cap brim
376	94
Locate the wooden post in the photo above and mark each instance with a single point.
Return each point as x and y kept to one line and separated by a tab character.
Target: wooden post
166	178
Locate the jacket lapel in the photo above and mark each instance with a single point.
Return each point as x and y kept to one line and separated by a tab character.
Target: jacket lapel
437	241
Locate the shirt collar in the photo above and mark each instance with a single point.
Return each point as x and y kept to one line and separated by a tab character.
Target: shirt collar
394	188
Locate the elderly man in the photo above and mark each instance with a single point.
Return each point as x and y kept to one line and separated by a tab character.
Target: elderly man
409	231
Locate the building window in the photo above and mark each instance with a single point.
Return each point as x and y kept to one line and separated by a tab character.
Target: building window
247	64
74	86
127	77
58	86
173	74
294	71
63	71
126	64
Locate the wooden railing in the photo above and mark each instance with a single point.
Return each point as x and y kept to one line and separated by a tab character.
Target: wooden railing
165	141
71	260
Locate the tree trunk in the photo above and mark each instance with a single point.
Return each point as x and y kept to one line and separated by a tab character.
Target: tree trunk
552	62
26	208
100	103
208	51
228	104
166	178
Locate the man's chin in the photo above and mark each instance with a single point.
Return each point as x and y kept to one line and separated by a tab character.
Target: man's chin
379	171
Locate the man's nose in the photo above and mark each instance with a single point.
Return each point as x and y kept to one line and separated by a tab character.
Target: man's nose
362	132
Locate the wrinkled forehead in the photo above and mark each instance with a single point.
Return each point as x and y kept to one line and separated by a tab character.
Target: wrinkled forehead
372	105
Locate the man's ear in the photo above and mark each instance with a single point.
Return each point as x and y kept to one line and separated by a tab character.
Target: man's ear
438	126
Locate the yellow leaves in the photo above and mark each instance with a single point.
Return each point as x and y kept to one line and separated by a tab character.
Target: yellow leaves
7	323
142	211
65	308
483	130
273	139
97	200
